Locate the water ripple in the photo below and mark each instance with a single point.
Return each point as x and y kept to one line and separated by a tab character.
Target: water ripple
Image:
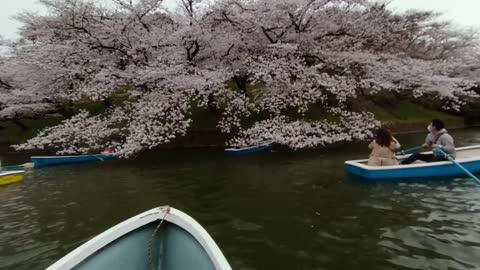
286	210
446	234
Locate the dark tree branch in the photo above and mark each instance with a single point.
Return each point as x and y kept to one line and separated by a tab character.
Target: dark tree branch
5	85
192	50
228	51
266	33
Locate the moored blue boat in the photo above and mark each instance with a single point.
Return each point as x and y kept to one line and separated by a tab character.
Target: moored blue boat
46	161
162	238
469	157
259	148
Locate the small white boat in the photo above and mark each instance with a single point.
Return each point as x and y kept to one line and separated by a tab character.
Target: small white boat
469	157
162	238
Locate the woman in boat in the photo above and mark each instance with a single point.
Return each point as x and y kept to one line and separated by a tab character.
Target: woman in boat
437	137
383	149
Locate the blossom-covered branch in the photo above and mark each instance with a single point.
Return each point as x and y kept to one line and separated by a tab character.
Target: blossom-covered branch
243	60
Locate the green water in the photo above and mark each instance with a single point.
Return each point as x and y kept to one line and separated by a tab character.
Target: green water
280	210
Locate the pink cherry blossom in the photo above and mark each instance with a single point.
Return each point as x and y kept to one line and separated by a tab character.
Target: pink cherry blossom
284	57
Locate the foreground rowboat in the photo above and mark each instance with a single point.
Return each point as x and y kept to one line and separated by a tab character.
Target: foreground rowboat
259	148
180	243
469	157
45	161
10	177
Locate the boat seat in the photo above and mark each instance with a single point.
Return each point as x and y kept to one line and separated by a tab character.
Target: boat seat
418	162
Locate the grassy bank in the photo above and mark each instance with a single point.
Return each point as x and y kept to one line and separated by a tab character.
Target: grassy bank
403	116
407	117
18	131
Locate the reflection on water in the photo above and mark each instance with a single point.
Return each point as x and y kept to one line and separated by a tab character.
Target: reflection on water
446	232
282	210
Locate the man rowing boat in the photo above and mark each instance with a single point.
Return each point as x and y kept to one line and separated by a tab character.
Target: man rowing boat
438	137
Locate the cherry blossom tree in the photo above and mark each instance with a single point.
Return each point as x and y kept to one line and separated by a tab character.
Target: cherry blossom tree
21	90
283	57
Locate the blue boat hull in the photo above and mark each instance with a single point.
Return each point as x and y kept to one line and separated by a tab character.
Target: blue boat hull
445	170
468	157
41	162
250	150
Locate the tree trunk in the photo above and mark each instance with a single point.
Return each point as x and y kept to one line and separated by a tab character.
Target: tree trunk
241	81
67	109
211	106
107	103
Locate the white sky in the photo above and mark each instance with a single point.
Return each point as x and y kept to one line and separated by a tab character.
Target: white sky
461	12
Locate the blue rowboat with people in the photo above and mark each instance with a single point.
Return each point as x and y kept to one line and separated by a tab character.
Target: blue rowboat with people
467	157
265	146
46	161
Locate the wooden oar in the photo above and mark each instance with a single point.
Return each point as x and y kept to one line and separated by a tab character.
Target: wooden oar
403	152
458	165
24	166
95	156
